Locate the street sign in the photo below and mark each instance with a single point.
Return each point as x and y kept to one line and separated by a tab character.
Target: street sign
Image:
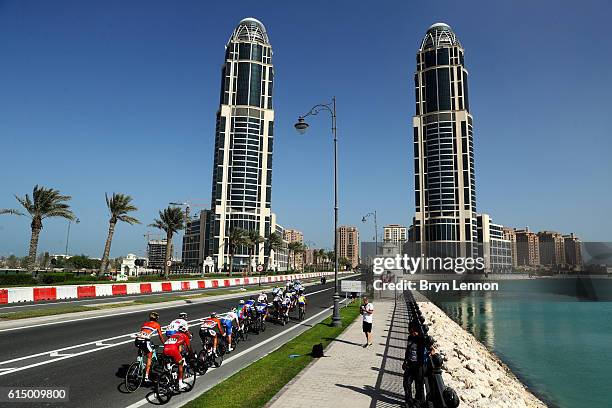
259	268
352	286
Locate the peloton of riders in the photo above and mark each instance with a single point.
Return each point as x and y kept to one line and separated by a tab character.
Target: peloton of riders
177	339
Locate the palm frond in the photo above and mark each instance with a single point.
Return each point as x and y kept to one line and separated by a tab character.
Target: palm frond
10	211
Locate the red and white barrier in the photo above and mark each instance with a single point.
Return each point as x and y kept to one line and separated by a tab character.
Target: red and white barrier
39	293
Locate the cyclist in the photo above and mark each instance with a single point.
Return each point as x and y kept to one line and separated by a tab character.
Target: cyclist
213	324
301	301
176	323
143	339
286	303
262	298
276	290
175	346
249	307
262	307
228	320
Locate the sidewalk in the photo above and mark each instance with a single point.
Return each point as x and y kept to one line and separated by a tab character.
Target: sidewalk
350	375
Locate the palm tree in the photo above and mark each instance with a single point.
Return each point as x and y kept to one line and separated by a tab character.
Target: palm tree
45	203
274	243
331	256
322	256
254	239
119	205
237	237
171	220
295	248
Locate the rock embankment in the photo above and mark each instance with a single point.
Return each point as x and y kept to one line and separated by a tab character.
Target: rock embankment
479	377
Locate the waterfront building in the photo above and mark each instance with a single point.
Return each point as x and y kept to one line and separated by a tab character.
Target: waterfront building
445	190
573	251
492	246
244	135
552	249
527	248
394	233
510	235
348	244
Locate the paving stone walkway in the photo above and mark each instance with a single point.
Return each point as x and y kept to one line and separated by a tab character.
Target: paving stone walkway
350	375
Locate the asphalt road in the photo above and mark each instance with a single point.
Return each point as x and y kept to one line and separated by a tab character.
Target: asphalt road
90	356
49	304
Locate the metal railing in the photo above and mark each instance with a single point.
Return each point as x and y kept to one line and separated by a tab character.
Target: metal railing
437	394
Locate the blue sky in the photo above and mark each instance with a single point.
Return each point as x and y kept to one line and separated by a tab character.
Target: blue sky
121	96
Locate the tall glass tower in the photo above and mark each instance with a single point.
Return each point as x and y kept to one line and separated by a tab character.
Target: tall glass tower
242	172
445	191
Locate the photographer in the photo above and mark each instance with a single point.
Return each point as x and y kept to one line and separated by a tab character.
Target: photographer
413	364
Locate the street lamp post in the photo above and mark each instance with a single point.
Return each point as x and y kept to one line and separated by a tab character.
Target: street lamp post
364	219
301	127
68	233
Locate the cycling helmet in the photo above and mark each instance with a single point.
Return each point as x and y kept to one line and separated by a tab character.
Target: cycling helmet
241	301
182	328
213	314
182	315
154	316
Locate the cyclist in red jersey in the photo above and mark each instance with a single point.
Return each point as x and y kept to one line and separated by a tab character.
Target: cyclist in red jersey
214	323
143	339
175	346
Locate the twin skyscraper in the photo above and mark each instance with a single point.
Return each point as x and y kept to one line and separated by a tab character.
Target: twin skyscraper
244	139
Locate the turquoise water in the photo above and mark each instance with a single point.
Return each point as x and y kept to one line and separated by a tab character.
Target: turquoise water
561	348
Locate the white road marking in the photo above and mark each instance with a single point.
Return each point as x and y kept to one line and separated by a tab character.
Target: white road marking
250	349
98	345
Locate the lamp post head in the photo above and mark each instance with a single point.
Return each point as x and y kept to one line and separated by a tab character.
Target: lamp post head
363	219
301	126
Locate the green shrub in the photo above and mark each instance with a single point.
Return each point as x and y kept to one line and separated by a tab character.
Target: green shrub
18	279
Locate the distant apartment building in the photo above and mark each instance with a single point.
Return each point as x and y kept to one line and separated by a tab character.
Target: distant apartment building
292	235
194	241
348	244
573	251
309	256
552	248
394	233
510	235
279	259
527	248
492	246
156	253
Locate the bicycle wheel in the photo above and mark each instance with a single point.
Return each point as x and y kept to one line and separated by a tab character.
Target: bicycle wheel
134	376
218	360
301	313
163	388
189	377
263	325
202	362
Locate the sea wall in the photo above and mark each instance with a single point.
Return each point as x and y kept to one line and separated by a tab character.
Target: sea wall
479	377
